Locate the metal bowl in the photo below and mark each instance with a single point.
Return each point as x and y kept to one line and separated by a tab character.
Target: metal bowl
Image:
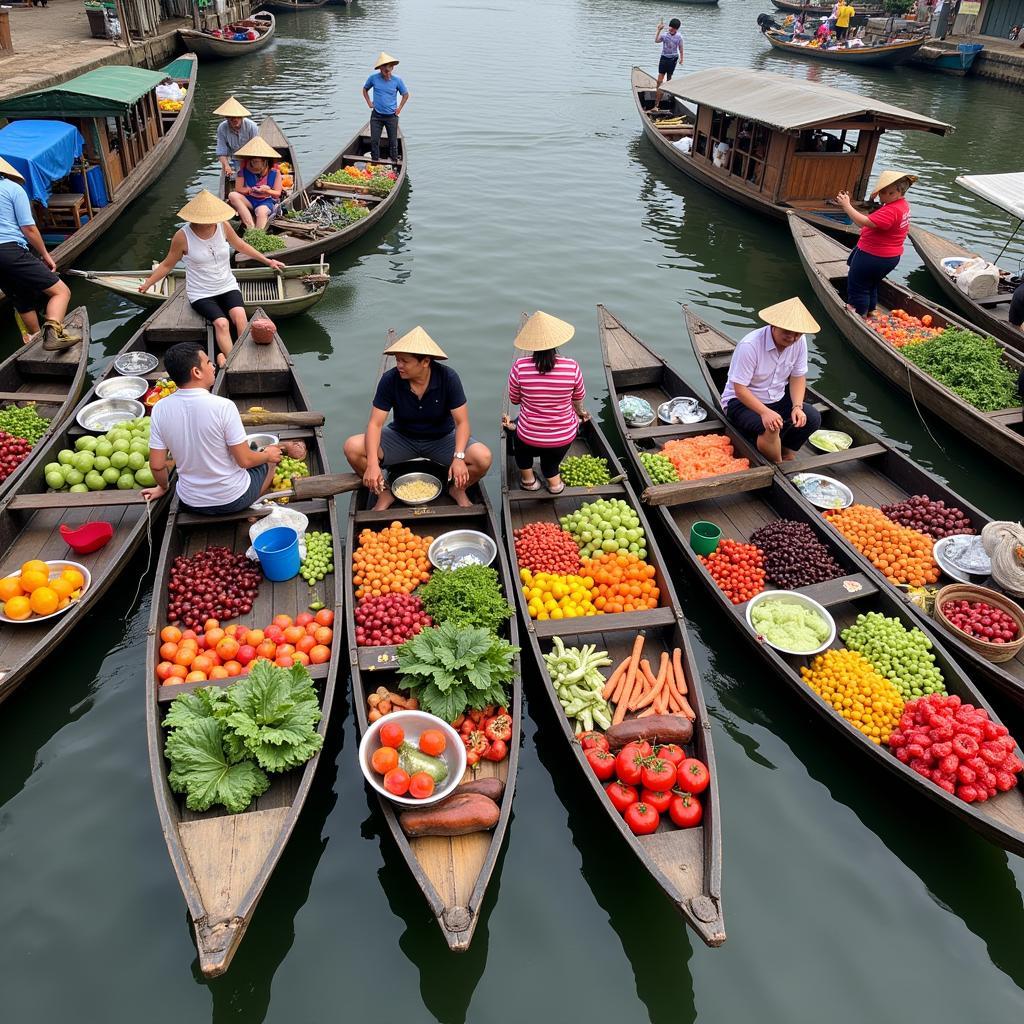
456	548
57	566
805	484
953	569
257	442
682	409
793	597
122	387
136	363
415	478
108	412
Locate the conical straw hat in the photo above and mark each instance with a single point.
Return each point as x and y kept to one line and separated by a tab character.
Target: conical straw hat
232	108
258	146
543	331
8	171
791	315
384	58
206	208
416	343
890	177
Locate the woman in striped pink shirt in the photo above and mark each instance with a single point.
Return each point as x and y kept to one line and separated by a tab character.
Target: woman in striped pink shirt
548	388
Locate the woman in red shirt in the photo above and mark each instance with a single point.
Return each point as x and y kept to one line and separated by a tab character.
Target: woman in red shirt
880	246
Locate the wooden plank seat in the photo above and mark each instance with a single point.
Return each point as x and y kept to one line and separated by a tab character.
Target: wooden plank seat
64	210
819	460
331	193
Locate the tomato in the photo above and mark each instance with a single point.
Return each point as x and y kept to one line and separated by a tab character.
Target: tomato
497	751
325	617
602	762
628	766
592	739
686	810
304	618
472	758
163	670
432	742
396	781
671	752
658	799
476	742
642	819
421	785
638	748
384	759
499	728
468	725
391	734
692	776
621	795
658	775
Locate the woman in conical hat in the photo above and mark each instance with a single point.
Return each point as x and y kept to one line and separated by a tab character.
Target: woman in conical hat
385	107
430	420
257	190
882	234
204	246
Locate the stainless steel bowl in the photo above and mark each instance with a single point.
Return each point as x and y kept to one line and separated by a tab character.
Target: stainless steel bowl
456	548
257	442
122	387
415	478
136	362
108	412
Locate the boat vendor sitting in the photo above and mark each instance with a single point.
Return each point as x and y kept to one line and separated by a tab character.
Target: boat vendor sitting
217	472
431	421
257	190
764	395
1016	314
233	132
28	274
385	106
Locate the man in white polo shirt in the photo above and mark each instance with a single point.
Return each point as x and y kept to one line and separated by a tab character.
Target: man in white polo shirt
218	473
764	395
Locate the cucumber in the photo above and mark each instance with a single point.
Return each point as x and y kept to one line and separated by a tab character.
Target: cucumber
413	760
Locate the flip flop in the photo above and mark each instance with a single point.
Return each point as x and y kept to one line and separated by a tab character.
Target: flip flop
556	490
533	485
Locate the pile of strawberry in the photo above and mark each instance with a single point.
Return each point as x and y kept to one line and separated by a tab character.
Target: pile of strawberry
957	747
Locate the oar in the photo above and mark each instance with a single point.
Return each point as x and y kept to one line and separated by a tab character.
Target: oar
266	418
324	486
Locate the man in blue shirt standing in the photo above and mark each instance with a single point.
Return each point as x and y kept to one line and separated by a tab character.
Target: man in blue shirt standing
25	276
387	87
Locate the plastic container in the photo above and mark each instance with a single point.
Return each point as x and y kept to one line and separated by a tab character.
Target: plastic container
278	552
704	537
88	537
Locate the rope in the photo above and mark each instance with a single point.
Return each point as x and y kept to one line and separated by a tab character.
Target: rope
149	560
1004	545
924	422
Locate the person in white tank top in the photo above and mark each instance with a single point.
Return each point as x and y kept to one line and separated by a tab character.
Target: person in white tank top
204	246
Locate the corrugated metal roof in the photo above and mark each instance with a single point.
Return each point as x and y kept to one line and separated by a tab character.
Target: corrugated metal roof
97	93
789	104
1003	190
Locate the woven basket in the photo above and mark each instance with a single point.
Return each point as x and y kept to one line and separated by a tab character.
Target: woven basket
995	653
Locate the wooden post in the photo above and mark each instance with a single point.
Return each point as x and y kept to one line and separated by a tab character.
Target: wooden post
5	32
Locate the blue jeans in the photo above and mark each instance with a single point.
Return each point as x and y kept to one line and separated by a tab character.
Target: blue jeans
865	275
378	122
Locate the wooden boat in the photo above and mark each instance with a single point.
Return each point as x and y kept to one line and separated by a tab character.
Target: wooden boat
685	863
792	142
823	10
210	47
32	514
127	136
879	55
453	873
632	369
291	6
938	57
223	861
306	241
271	133
52	381
998	434
876	473
279	293
990	314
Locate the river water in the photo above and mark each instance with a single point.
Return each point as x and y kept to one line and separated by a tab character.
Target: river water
530	187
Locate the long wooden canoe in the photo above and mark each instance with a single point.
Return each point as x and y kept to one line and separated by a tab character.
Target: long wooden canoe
877	473
273	134
685	863
453	873
223	861
31	514
999	434
632	369
52	381
306	242
823	10
208	47
879	55
279	293
991	314
290	6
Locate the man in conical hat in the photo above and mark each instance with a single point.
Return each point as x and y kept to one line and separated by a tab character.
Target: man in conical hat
385	106
233	133
764	395
430	421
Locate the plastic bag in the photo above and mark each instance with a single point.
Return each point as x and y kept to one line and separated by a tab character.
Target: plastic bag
279	516
978	279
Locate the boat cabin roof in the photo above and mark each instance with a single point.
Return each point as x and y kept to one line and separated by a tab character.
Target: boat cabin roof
788	104
103	92
1003	190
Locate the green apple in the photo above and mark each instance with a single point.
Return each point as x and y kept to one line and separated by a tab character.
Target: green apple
100	463
83	461
104	447
86	443
136	460
72	477
121	445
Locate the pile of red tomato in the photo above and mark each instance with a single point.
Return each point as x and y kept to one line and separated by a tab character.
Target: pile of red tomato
737	568
485	734
546	547
644	783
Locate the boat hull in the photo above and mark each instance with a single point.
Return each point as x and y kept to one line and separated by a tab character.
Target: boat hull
876	56
207	47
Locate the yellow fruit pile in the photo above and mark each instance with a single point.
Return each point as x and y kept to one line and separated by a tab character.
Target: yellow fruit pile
557	595
846	680
34	592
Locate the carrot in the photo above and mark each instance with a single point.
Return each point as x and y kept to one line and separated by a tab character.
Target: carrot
646	712
677	668
687	710
624	697
649	696
627	696
613	680
673	701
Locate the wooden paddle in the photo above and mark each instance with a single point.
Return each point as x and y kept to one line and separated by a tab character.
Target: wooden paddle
324	486
267	418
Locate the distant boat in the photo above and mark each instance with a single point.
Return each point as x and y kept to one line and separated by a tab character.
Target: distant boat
824	10
880	55
209	47
950	62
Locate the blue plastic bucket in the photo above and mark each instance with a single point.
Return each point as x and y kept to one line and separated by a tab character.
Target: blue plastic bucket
278	551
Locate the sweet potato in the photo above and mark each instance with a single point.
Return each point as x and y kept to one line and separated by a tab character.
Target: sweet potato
663	728
488	786
458	815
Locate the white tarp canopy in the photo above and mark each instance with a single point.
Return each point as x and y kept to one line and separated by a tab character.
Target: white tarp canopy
1003	190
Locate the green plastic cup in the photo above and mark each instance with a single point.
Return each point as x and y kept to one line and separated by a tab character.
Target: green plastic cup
704	537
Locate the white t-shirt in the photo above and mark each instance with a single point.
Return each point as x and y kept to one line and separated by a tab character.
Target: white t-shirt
197	428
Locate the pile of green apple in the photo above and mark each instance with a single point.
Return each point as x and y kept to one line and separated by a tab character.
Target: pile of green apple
119	458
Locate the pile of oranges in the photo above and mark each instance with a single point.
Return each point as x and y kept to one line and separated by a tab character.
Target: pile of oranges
34	592
903	555
622	583
901	328
391	561
702	456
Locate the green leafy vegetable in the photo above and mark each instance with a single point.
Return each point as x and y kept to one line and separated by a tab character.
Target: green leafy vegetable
263	241
468	596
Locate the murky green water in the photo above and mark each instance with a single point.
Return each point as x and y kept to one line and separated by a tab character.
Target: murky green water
845	898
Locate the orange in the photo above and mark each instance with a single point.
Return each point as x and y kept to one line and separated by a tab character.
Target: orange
195	677
202	664
35	565
61	587
219	672
33	579
17	608
170	634
44	601
10	587
74	577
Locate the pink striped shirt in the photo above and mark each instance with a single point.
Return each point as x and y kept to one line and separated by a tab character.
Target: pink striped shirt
546	416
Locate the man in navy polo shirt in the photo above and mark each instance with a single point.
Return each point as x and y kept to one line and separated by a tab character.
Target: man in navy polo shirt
430	421
387	87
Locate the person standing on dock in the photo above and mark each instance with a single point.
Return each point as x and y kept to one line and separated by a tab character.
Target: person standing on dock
671	53
764	395
233	133
385	105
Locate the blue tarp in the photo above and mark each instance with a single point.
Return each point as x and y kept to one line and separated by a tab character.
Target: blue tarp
43	151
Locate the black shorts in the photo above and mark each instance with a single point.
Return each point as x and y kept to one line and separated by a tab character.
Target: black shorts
667	65
24	276
793	438
216	307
